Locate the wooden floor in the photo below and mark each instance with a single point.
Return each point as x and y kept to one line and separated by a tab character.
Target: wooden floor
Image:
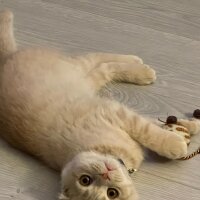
166	34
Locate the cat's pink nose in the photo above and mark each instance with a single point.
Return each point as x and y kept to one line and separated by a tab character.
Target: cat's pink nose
109	167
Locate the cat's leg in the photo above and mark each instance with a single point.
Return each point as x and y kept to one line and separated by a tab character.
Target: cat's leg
7	40
98	58
93	60
137	73
165	143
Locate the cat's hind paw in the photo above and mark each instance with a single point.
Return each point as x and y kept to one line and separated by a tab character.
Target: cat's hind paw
145	76
137	59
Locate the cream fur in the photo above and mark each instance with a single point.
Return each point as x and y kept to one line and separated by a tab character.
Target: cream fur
50	109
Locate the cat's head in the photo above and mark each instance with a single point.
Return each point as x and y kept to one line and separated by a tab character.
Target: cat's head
92	176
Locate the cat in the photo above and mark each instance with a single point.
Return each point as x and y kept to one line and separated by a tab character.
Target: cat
49	108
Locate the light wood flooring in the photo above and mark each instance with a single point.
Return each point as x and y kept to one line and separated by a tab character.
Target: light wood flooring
166	34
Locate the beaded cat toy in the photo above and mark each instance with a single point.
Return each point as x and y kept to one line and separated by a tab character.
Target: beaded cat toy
172	124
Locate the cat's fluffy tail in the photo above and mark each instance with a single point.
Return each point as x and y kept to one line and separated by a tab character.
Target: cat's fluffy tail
7	40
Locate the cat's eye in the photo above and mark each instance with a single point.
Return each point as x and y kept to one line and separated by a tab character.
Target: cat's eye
85	180
112	193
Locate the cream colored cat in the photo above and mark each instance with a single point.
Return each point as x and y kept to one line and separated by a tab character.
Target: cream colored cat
50	109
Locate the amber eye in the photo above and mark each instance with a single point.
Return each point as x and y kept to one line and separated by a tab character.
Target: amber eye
112	193
85	180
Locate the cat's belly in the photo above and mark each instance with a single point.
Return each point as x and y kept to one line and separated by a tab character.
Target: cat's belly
41	96
36	88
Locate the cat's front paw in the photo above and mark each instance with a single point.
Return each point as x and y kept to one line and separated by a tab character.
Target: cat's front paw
146	75
174	146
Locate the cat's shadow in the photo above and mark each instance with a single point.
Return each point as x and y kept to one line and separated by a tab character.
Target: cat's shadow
151	156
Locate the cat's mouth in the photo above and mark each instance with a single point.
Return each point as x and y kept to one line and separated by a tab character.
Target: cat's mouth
109	168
